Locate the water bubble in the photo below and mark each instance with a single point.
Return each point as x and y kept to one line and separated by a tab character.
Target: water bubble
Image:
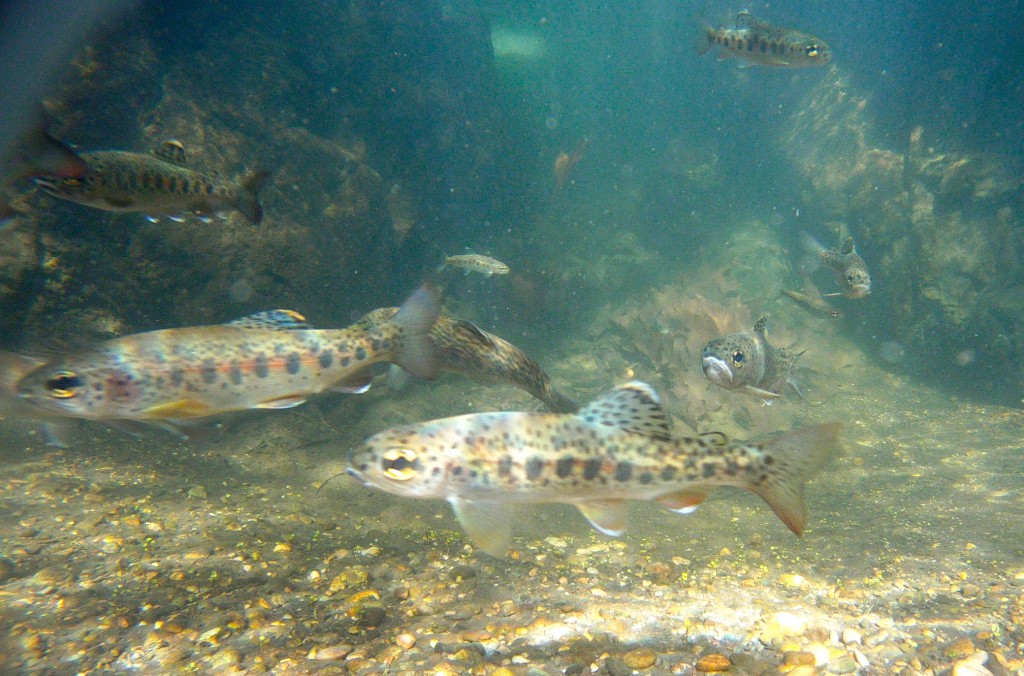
892	351
551	122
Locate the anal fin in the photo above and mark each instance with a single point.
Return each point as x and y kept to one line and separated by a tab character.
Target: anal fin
607	516
288	401
684	502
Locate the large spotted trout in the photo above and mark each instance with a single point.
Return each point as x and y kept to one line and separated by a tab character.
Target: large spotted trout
619	447
160	182
270	360
464	348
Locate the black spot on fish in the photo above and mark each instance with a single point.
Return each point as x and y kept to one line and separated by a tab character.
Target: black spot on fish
326	359
708	470
235	373
563	467
457	470
177	377
623	471
764	47
646	478
592	469
186	185
667	473
345	361
261	367
360	353
769	460
505	466
293	362
209	371
534	466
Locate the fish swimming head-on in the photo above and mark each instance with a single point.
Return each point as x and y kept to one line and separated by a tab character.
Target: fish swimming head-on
735	360
852	272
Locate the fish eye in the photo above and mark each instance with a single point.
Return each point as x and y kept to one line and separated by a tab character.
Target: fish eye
63	385
72	182
398	464
812	49
738	357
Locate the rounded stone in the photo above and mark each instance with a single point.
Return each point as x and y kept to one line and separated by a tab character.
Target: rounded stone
714	663
641	658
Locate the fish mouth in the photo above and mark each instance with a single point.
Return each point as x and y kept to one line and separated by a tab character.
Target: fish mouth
717	371
45	182
858	291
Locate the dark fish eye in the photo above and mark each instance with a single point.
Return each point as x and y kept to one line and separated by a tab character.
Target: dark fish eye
72	182
63	385
399	464
738	357
812	49
851	278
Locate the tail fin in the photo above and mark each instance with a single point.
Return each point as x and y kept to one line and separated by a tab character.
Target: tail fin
417	315
702	41
812	254
248	201
796	457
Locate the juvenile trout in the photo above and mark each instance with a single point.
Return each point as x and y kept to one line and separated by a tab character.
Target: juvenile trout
270	360
848	268
156	183
747	362
761	43
619	447
485	265
464	348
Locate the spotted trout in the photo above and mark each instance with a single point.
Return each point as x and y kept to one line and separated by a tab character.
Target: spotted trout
270	360
464	348
619	447
160	182
761	43
745	361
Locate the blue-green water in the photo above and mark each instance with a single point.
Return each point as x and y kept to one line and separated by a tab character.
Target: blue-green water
647	198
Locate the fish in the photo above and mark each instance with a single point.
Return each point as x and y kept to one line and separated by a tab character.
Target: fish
462	347
268	360
33	153
761	43
812	300
472	262
745	361
160	182
566	162
619	447
848	268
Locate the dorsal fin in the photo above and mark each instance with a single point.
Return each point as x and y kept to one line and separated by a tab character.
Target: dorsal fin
281	320
847	247
633	408
761	325
171	151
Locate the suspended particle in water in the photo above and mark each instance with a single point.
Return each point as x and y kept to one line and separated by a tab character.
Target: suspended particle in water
551	122
965	357
241	291
892	351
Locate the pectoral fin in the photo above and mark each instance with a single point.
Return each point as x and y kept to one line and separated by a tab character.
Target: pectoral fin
289	401
684	502
607	516
486	523
762	394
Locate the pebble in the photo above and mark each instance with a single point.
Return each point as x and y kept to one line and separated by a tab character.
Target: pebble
338	651
641	658
851	636
405	640
782	625
714	663
795	658
616	666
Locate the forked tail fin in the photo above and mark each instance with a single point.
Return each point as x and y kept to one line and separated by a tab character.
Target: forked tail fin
417	315
790	460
